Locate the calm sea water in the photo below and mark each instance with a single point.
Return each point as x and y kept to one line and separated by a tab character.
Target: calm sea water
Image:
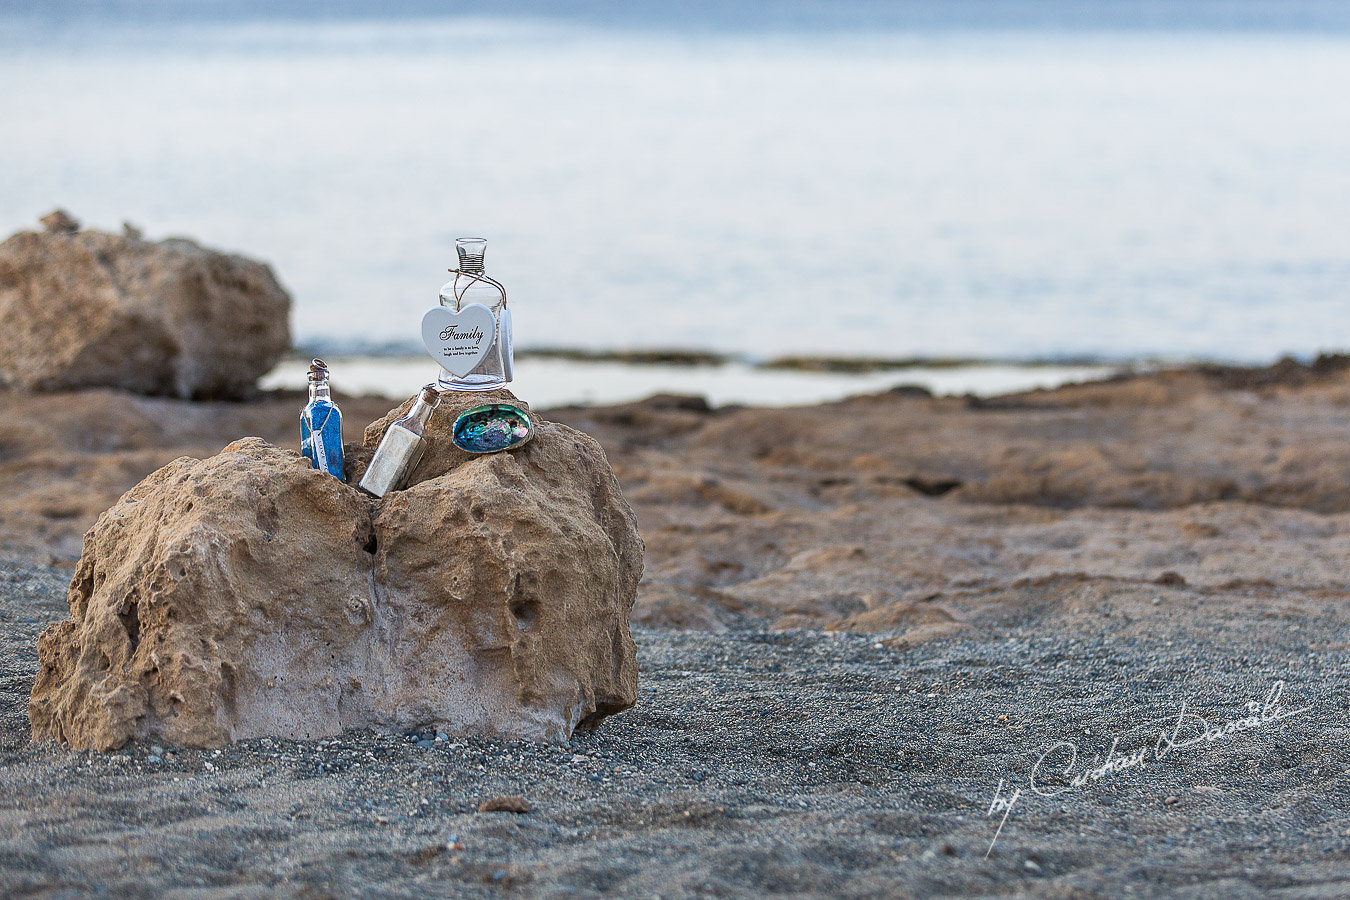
547	382
892	191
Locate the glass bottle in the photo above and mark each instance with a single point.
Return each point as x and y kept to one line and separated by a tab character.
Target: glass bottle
321	424
401	447
472	285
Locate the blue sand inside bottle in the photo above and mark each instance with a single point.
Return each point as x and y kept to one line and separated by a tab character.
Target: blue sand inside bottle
325	418
489	428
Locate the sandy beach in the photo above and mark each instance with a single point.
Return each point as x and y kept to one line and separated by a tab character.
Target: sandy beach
1112	618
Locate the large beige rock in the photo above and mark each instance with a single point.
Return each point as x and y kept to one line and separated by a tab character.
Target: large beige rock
248	594
89	309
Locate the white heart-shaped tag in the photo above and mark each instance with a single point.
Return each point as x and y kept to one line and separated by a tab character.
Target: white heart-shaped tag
459	340
508	348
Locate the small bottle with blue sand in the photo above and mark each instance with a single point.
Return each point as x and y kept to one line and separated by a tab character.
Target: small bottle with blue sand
321	424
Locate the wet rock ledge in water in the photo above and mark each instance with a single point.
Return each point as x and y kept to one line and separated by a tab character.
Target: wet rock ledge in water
249	595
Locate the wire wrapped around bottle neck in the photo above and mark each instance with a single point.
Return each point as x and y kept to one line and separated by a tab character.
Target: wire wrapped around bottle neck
473	277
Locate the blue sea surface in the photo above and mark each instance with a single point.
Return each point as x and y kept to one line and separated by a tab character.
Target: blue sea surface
754	16
970	179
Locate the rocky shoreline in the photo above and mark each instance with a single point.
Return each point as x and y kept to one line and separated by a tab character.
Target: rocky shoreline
860	624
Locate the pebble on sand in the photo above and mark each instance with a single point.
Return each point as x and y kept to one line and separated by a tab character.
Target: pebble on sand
513	803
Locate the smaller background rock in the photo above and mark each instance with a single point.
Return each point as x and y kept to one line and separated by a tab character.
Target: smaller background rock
89	309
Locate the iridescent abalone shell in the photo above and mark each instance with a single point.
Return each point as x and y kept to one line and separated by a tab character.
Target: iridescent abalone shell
492	427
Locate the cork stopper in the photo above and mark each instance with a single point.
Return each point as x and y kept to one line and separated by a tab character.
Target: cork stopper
430	396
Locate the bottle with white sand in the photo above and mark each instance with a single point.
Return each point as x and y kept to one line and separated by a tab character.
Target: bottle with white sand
401	447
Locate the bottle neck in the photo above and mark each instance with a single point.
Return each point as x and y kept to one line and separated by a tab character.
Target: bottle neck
318	390
470	252
420	414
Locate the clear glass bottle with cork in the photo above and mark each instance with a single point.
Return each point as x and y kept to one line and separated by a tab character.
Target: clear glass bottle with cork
401	447
321	424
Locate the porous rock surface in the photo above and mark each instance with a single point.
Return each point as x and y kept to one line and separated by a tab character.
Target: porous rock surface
90	309
249	595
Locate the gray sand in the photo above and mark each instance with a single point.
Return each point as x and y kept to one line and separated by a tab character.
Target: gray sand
791	762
